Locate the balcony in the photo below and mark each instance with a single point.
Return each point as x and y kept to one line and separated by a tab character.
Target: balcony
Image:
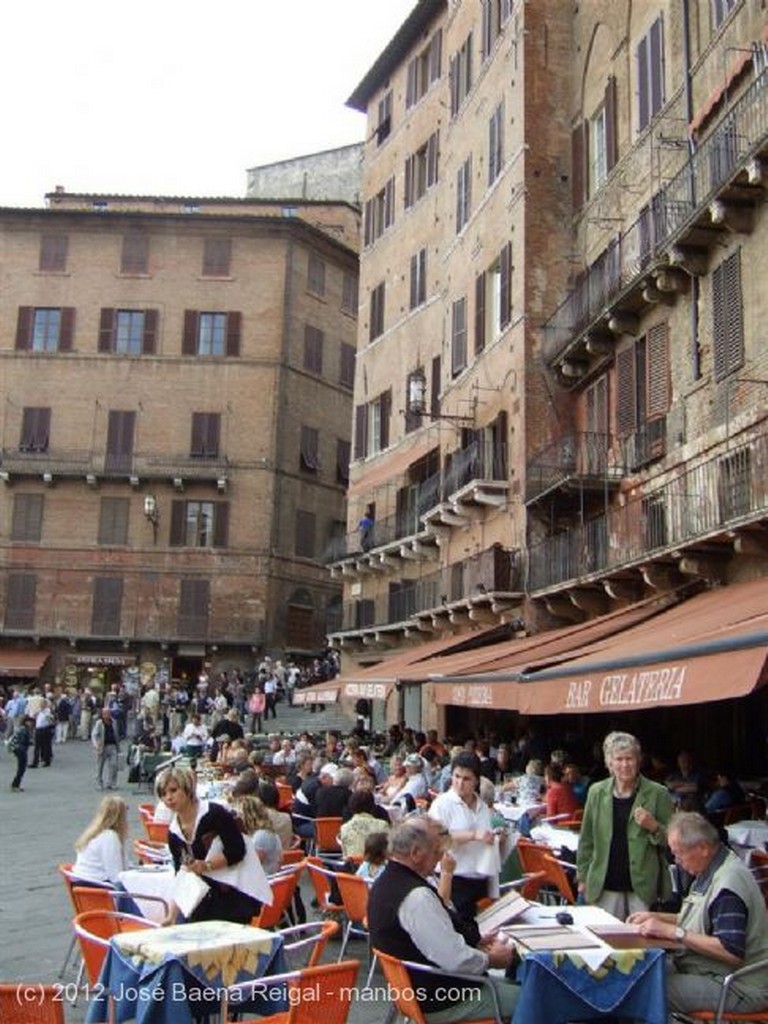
52	463
474	480
714	191
482	590
690	525
573	465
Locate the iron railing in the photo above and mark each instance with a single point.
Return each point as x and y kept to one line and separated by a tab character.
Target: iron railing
79	462
587	455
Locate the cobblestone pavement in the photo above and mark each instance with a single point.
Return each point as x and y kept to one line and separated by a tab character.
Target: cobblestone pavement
39	827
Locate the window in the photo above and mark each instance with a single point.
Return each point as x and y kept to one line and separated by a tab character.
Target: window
727	316
217	257
316	275
20	600
300	629
421	170
642	373
724	146
734	486
372	425
349	291
423	70
211	334
379	213
199	524
463	194
720	10
460	75
304	537
313	349
45	329
347	365
596	401
343	453
376	326
495	143
35	429
113	521
53	253
493	299
384	122
27	523
650	74
309	456
194	603
419	278
206	435
121	428
601	137
107	605
495	14
128	332
458	336
134	254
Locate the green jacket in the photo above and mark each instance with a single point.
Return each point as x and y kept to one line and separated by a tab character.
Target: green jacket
647	863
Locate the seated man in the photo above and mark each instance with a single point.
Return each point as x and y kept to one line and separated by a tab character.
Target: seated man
408	919
722	923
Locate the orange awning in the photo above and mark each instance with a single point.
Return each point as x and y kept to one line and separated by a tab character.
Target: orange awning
24	664
710	647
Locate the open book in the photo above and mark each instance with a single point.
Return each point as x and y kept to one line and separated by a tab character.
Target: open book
507	908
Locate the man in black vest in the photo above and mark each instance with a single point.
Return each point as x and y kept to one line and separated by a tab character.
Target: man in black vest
407	919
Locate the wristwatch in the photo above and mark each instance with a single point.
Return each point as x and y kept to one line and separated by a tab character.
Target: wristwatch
680	934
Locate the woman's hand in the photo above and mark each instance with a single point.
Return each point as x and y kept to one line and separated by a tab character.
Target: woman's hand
645	819
197	867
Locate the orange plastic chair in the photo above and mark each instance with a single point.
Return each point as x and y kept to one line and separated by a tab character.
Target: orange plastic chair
320	877
403	987
283	887
293	856
46	1008
354	895
335	981
65	870
95	928
157	831
92	898
151	853
327	836
537	858
722	1016
306	942
284	795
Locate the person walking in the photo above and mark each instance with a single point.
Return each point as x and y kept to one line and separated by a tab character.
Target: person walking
106	743
270	694
19	747
43	739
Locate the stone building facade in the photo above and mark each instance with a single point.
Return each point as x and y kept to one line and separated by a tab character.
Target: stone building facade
177	393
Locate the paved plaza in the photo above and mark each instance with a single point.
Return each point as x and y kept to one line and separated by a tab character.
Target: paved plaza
39	827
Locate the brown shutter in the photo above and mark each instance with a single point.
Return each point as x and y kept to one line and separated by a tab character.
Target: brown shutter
386	409
734	319
408	182
107	330
435	384
435	54
149	341
410	88
221	524
361	431
505	285
233	334
24	324
657	371
199	428
189	337
578	157
643	90
480	312
611	151
177	524
67	331
626	413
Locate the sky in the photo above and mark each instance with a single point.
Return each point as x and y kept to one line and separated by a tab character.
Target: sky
164	97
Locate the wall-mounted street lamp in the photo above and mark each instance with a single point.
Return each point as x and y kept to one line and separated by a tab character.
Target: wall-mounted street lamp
152	514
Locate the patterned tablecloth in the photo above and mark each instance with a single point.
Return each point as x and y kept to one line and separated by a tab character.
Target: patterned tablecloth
560	987
171	975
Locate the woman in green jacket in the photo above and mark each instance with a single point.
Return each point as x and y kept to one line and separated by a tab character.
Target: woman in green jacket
621	862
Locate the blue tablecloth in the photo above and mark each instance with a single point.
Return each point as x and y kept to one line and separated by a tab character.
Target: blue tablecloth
172	975
559	987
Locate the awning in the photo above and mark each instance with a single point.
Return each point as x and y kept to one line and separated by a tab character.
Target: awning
710	647
25	664
322	693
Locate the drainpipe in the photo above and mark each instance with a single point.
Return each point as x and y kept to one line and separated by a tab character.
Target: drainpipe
688	86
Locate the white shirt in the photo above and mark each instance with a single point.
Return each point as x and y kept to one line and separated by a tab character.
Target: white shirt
451	811
101	859
426	920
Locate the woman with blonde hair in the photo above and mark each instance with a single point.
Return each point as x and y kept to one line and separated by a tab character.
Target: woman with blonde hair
100	848
258	827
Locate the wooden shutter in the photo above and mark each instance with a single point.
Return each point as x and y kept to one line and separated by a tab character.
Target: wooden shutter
67	329
734	321
35	429
480	312
435	385
408	182
107	330
505	285
53	253
191	330
611	150
120	435
113	521
178	521
20	600
656	70
24	323
410	87
385	406
149	340
435	55
578	166
643	91
107	605
342	461
657	371
221	524
233	334
453	79
27	520
194	601
626	405
361	431
597	407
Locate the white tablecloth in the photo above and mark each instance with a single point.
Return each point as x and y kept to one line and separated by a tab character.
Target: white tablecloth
150	881
557	838
749	833
513	813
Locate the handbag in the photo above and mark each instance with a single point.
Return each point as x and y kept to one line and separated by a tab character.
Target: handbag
189	891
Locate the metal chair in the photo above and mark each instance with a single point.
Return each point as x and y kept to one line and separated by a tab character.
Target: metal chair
95	928
283	887
758	865
93	898
320	876
722	1016
335	981
47	1006
403	987
354	895
304	944
327	836
535	858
